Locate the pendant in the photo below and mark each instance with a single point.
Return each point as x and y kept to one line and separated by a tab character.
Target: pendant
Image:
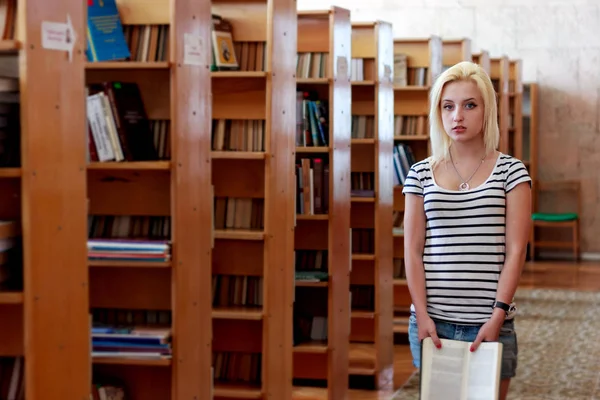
463	187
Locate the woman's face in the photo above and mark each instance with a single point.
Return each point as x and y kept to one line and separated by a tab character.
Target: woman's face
462	111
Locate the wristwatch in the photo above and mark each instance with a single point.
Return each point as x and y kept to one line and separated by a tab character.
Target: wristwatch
504	306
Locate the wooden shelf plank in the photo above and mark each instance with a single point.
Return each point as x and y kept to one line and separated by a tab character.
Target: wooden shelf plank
401	324
237	391
362	141
127	65
9	45
251	314
10	172
131	165
312	347
411	137
363	257
313	13
148	362
316	217
10	297
363	199
240	234
361	371
238	74
237	155
311	284
363	314
128	264
363	83
312	150
312	81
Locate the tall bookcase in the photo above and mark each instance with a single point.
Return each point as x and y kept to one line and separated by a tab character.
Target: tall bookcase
261	184
322	240
42	178
371	285
515	108
423	62
500	75
169	196
483	59
455	51
530	106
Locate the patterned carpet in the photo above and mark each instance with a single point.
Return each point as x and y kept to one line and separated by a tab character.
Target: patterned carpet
558	332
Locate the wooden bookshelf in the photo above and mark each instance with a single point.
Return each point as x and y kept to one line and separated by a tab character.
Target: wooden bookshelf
253	244
411	136
483	59
43	301
322	240
19	258
529	145
371	285
500	75
174	189
515	108
455	51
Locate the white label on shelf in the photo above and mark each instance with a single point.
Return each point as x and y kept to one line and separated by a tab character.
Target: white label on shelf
342	68
387	73
59	36
192	46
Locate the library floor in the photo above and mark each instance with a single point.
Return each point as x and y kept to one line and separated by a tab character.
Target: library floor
562	276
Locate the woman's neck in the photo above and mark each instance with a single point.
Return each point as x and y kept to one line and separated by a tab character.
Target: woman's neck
468	151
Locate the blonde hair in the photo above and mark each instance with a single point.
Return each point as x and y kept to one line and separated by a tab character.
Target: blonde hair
463	71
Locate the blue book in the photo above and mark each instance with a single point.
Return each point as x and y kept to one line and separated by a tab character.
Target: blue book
105	38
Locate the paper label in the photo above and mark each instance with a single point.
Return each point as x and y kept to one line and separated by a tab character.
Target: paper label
192	46
342	67
59	36
387	73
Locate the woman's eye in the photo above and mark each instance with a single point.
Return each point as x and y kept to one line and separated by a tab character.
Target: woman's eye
470	105
447	106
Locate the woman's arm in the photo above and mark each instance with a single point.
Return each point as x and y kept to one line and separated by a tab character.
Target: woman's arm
518	224
414	242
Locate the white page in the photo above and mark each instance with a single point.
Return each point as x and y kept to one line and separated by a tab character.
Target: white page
484	371
444	378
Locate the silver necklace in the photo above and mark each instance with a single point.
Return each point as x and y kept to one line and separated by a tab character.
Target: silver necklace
464	186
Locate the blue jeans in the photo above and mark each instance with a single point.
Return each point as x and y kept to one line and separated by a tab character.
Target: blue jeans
468	333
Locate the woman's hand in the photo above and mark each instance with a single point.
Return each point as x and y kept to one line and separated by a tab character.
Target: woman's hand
427	329
490	331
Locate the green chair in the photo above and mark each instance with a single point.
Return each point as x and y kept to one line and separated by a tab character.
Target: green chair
556	219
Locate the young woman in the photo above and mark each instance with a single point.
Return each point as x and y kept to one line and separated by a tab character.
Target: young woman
466	222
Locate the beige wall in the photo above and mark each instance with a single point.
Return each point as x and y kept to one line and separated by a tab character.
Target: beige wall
559	43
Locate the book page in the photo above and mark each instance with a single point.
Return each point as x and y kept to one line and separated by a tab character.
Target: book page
443	371
484	371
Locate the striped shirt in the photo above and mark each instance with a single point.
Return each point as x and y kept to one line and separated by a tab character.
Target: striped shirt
464	240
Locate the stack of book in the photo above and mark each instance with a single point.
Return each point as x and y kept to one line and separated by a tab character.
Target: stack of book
134	342
129	250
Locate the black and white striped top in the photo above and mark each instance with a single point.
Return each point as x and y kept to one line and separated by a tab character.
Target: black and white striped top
465	240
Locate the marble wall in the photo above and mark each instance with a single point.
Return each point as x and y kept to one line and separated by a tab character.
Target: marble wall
559	43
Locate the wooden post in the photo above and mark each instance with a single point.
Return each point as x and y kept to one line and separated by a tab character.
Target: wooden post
384	180
53	148
279	198
339	208
191	211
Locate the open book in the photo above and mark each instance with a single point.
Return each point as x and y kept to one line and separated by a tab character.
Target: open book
455	373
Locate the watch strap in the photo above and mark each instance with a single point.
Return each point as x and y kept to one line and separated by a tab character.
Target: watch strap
504	306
